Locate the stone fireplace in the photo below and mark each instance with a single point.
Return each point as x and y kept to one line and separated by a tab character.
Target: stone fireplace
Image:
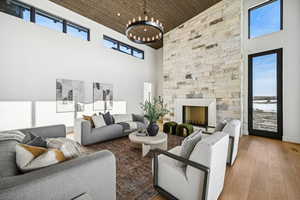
198	112
202	60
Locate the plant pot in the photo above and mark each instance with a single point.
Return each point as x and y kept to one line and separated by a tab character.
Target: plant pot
152	129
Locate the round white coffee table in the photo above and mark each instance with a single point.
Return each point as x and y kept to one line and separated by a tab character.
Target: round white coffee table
150	142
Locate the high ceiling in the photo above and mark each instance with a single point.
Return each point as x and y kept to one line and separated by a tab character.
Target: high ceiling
171	13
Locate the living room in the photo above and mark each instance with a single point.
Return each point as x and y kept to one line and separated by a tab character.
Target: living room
149	99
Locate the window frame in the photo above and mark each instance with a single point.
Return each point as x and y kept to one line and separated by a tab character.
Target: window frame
105	37
47	15
262	5
74	25
34	10
279	79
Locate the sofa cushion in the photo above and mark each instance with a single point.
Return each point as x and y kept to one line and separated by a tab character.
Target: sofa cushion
108	118
141	125
98	121
8	166
29	158
188	145
122	118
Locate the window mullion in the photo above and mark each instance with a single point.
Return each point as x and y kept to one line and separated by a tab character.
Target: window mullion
32	14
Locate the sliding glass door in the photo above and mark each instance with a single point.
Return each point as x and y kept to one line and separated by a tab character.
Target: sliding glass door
265	94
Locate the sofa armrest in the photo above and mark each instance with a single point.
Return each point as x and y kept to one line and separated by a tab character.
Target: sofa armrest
82	129
94	174
180	159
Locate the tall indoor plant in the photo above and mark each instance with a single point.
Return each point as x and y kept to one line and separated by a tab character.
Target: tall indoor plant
153	111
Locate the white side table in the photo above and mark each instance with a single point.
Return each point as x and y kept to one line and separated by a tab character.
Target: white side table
159	141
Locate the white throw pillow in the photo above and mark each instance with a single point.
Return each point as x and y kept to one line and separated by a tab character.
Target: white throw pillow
188	145
29	158
98	121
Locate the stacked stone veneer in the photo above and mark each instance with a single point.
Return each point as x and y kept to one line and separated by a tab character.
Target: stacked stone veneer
203	59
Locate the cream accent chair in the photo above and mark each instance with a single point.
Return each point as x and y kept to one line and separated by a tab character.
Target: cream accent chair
203	178
232	128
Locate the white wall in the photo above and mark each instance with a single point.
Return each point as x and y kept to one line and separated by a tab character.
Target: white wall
159	72
289	40
32	57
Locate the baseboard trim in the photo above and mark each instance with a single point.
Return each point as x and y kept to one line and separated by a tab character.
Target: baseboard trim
291	139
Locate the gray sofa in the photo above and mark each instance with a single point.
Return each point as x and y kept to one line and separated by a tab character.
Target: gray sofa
92	176
85	134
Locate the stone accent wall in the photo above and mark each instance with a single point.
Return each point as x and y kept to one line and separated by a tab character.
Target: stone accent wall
203	59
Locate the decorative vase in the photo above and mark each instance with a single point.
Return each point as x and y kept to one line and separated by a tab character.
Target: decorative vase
152	129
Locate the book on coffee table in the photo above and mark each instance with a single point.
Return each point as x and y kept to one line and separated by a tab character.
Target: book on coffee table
141	134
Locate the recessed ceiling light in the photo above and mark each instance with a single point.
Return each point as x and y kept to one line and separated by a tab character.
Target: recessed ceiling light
118	14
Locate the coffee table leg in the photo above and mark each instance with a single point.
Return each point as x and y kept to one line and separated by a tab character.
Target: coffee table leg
164	146
146	148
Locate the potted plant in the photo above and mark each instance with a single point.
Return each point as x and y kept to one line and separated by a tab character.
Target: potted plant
153	111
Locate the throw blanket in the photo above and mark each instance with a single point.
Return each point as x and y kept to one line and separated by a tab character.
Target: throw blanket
124	125
128	125
68	147
12	135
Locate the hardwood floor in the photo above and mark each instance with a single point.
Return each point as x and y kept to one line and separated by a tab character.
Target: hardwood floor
265	169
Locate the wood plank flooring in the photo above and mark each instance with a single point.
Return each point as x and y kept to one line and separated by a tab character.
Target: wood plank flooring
265	169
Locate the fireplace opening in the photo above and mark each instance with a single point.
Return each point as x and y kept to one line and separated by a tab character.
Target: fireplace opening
195	115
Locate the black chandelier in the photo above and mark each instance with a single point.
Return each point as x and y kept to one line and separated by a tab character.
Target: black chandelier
144	29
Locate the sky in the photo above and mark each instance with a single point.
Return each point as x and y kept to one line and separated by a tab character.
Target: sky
264	75
265	19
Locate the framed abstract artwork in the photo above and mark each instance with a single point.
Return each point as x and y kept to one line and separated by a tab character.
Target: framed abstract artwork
69	95
102	96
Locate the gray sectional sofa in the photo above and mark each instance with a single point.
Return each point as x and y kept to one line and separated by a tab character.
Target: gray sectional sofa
85	134
87	177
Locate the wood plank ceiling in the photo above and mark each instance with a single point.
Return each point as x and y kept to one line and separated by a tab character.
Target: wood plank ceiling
171	13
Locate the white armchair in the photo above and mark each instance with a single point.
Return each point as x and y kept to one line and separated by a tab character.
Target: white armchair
203	178
232	128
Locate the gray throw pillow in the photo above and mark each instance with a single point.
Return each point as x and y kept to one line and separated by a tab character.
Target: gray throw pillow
188	145
34	140
220	126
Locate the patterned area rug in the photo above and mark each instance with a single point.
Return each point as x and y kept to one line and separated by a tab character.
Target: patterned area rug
134	173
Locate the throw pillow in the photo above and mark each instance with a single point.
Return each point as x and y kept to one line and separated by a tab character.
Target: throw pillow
89	118
108	118
70	148
29	158
33	140
138	118
98	121
220	126
188	145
